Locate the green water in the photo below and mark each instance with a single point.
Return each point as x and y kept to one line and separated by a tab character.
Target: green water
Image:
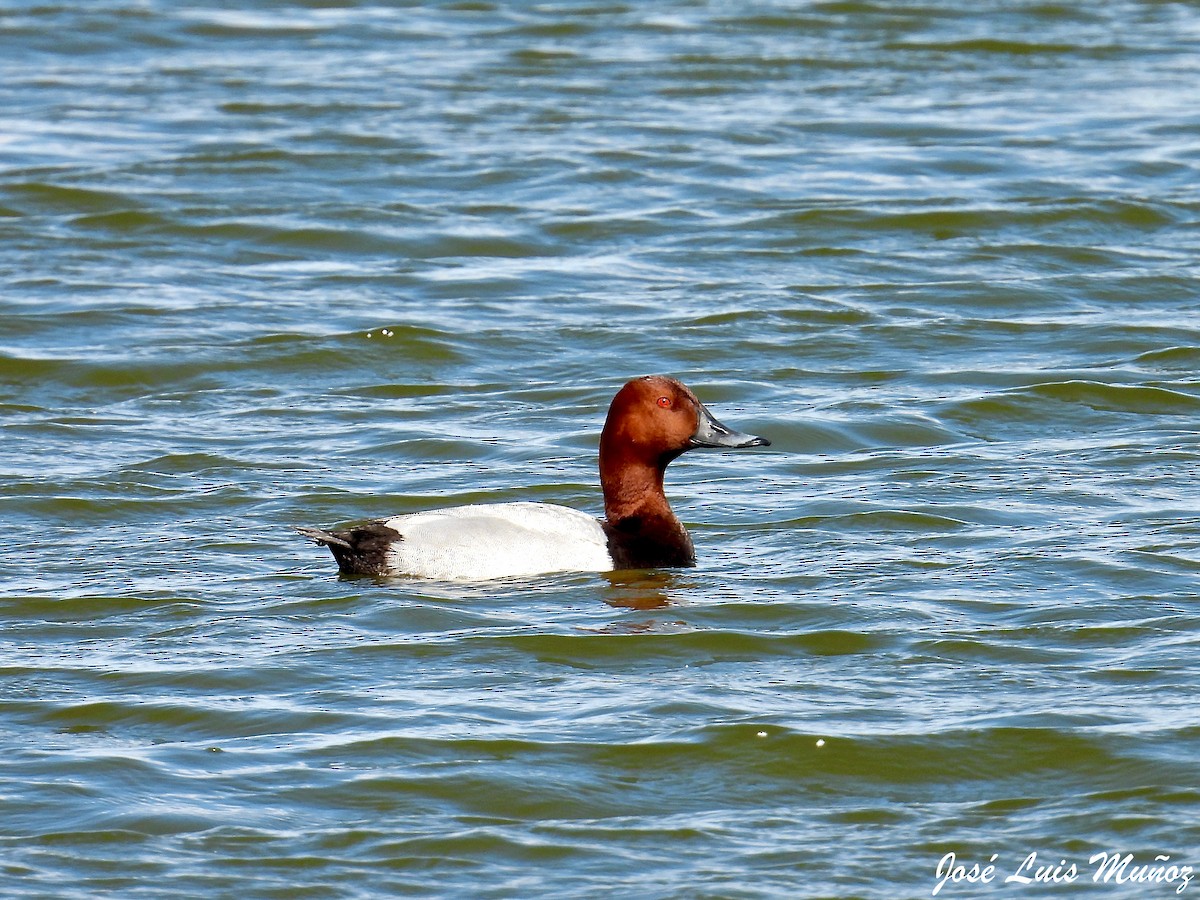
309	263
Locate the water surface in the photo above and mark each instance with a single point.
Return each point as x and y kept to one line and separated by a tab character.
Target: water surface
309	263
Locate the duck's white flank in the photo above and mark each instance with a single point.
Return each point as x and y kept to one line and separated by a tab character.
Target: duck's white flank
497	540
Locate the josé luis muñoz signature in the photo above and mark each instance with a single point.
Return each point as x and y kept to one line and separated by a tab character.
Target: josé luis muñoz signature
1107	868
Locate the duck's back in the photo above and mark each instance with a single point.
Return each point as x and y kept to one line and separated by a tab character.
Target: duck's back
496	540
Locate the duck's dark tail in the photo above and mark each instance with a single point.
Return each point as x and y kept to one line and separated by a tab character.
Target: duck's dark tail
358	551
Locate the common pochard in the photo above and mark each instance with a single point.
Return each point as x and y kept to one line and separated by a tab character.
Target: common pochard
652	420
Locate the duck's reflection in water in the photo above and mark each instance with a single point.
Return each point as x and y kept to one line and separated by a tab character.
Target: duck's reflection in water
640	588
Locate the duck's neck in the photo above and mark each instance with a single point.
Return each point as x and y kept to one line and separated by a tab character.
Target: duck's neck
642	530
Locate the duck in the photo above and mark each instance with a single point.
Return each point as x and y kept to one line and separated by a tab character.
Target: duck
652	421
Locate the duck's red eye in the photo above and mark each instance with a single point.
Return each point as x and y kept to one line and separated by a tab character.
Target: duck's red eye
664	402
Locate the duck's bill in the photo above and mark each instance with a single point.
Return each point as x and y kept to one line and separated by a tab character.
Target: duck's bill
711	433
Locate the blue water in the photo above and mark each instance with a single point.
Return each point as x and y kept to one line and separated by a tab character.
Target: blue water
301	263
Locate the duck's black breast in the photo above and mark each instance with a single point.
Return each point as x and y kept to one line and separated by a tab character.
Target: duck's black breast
638	542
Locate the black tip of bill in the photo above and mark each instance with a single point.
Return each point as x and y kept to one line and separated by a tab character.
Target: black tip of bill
711	433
